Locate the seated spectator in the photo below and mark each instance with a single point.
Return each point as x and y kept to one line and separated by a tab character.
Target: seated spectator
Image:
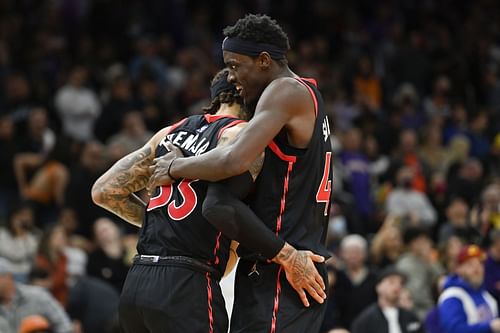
108	261
353	281
385	316
65	264
132	136
457	214
18	301
449	249
18	241
419	267
406	202
47	186
465	306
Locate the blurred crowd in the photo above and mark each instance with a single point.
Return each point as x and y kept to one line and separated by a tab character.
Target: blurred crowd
412	89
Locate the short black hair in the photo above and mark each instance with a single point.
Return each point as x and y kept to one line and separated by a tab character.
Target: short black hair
259	28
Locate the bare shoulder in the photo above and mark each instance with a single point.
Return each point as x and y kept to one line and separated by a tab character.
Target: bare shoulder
229	134
286	91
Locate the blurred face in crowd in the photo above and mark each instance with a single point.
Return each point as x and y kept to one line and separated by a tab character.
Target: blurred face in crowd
38	121
389	289
22	220
457	212
6	128
58	239
408	141
472	271
105	231
422	247
354	255
352	140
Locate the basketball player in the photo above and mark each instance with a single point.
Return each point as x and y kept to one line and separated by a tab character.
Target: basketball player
294	188
173	284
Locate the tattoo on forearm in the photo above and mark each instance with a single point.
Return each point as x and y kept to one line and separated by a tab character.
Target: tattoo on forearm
128	175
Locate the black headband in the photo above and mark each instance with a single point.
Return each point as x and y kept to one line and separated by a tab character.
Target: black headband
251	49
221	85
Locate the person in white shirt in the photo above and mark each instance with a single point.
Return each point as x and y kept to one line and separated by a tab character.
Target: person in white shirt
385	316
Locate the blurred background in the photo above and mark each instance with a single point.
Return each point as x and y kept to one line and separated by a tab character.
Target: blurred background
412	89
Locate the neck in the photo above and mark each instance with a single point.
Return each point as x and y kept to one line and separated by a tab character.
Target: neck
385	303
229	110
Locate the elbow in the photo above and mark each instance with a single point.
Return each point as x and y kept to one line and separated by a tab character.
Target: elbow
97	193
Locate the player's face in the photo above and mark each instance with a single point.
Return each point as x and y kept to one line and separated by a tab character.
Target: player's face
246	75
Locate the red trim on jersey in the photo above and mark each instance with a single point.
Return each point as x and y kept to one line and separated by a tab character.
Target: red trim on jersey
209	302
216	248
274	147
283	198
276	301
315	100
214	117
177	124
310	80
231	124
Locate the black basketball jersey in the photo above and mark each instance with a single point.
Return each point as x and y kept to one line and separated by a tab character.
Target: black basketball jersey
293	190
174	224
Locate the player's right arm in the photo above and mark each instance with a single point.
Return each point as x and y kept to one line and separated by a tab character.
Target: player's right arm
224	209
114	190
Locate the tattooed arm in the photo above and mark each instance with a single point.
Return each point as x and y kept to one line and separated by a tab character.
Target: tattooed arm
114	190
236	220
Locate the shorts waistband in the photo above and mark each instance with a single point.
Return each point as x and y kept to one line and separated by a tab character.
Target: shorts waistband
179	261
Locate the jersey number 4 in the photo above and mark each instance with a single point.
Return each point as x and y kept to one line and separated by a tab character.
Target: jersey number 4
325	188
176	212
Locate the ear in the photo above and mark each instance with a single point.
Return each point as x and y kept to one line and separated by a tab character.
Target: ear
264	60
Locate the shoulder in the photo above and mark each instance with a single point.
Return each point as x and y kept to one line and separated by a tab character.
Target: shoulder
287	86
370	313
229	134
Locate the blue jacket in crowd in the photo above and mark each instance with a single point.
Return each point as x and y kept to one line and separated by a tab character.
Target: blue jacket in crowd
463	309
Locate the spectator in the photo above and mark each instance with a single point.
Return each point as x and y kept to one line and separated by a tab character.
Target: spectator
119	104
469	181
133	135
77	105
385	316
83	175
18	242
457	214
108	261
18	301
357	175
465	306
354	281
39	137
47	187
63	263
413	206
419	267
